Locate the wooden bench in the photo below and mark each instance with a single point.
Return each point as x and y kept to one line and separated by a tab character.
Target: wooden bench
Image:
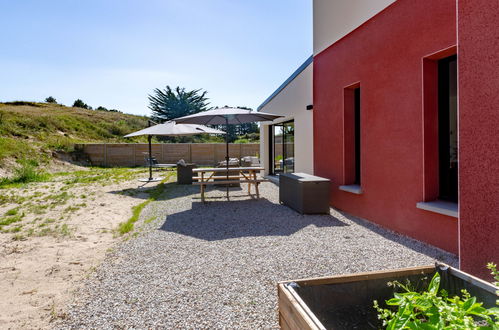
246	175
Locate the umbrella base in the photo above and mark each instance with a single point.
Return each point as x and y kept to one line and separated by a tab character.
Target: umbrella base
151	180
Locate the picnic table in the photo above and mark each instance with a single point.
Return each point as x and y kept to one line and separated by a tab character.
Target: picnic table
219	175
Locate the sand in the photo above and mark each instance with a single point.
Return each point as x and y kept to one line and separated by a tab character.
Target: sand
45	261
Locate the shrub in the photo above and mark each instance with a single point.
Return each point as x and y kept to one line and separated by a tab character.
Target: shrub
80	104
50	99
33	104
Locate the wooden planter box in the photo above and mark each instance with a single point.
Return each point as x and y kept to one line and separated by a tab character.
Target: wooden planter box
346	301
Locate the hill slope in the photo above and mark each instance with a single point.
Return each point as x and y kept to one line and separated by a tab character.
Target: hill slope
34	130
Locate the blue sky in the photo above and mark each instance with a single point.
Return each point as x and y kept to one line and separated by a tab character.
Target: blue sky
115	52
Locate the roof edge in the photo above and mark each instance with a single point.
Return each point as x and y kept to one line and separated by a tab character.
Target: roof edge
287	82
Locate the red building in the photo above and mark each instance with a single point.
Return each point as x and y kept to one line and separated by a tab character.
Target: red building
406	123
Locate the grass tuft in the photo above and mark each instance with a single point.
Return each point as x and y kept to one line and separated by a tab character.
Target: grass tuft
10	220
27	172
126	227
12	211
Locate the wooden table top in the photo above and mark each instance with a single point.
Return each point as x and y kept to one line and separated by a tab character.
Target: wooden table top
224	169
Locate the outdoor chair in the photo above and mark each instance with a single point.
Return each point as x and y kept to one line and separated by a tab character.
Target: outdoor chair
152	161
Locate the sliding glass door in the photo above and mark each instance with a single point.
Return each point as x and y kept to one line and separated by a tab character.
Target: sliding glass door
283	147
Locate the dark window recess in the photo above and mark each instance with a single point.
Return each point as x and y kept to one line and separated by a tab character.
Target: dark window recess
357	135
447	129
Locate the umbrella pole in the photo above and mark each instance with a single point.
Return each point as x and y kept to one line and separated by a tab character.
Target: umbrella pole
149	137
227	152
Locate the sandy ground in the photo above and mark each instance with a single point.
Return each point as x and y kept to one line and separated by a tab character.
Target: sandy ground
58	242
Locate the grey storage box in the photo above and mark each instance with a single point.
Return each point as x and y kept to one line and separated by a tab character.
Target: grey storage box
304	193
184	173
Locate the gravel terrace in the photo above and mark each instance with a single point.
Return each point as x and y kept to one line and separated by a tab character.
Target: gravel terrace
217	265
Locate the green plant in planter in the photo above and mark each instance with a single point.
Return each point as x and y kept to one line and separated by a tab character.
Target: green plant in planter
495	273
432	309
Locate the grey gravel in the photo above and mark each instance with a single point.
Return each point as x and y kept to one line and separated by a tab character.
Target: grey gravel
216	265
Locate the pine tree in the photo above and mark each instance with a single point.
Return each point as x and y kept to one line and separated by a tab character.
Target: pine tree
168	104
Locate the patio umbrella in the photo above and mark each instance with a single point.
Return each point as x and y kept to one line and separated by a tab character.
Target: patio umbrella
226	116
170	128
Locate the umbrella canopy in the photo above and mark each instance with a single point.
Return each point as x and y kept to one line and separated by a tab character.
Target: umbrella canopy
170	128
224	116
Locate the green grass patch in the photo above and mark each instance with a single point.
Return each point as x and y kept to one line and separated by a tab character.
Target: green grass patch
154	194
59	199
126	227
37	208
65	230
12	211
26	172
12	147
10	220
104	175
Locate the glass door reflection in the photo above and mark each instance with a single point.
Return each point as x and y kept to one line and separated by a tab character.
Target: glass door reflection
283	151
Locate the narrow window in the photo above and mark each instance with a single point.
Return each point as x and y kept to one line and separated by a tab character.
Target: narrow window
440	137
447	129
351	136
357	134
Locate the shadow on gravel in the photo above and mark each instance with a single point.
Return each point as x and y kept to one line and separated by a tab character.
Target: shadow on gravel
219	220
171	190
406	241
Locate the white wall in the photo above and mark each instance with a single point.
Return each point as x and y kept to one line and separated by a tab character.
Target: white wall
333	19
291	103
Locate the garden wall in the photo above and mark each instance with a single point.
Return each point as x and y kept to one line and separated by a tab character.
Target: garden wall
134	154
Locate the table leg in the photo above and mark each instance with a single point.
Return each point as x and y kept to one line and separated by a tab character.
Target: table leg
256	185
202	187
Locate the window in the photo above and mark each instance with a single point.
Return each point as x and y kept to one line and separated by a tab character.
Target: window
352	149
440	145
447	129
357	134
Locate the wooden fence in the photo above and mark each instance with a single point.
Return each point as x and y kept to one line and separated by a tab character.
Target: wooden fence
134	154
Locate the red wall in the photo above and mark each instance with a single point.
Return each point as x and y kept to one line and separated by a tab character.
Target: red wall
478	47
385	55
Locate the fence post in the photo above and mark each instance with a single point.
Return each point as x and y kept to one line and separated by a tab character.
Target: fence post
105	154
134	146
162	145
